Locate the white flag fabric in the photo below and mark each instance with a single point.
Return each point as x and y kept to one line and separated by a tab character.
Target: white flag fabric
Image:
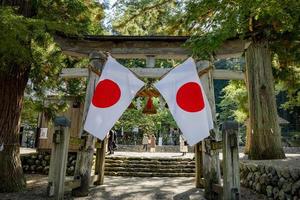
184	94
116	88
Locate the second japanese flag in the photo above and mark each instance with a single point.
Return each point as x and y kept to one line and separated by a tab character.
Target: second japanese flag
183	92
114	91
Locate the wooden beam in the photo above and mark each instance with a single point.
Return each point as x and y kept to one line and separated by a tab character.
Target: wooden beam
219	74
150	72
231	49
125	48
74	72
224	74
168	47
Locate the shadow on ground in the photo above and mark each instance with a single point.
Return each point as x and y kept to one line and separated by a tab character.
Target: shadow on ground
154	188
125	188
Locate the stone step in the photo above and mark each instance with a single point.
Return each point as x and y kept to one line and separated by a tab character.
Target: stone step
147	158
148	174
141	165
151	162
147	169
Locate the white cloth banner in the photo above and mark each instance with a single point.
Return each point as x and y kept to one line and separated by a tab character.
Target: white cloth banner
184	94
114	92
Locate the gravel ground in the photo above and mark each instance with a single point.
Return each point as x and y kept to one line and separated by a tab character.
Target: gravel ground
125	188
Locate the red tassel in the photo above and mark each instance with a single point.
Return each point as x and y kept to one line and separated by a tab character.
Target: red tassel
149	108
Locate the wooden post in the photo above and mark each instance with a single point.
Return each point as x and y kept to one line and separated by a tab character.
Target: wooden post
59	156
231	172
211	163
97	156
150	61
100	162
210	166
198	160
85	155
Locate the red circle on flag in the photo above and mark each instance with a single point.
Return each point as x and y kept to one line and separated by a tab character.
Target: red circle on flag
189	97
107	93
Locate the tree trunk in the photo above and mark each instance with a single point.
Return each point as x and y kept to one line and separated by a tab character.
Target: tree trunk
264	127
12	86
248	136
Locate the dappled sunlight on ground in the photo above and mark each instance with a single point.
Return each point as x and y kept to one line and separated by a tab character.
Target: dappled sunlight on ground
125	188
146	188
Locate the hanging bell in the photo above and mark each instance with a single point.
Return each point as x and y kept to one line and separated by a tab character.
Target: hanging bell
149	108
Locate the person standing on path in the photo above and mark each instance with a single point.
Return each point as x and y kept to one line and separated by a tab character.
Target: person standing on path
183	145
145	142
152	143
111	141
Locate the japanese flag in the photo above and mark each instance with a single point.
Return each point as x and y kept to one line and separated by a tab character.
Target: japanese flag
116	88
187	102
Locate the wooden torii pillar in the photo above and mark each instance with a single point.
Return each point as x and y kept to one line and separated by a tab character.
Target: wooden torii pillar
149	48
85	155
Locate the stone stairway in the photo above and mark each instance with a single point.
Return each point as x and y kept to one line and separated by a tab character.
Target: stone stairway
149	167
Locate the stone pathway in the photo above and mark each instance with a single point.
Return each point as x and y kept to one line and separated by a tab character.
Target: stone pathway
125	188
154	188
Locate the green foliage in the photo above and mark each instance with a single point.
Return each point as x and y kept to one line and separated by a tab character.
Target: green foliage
20	36
29	114
51	108
46	64
217	21
234	104
287	80
15	40
27	42
145	17
82	16
147	123
130	63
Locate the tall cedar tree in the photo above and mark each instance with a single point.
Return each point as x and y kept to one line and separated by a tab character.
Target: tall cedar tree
24	24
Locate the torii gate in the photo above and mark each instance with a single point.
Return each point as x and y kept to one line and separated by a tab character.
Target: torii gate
149	48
